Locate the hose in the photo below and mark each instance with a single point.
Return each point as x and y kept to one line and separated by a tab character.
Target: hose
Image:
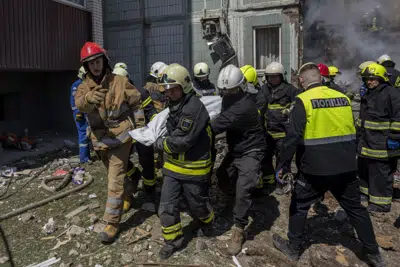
47	200
65	180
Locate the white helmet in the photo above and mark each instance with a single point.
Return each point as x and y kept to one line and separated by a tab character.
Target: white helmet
274	68
384	58
157	69
201	70
121	72
81	73
121	65
230	78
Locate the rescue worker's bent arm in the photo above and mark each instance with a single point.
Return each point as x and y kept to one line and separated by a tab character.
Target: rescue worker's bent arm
191	124
294	135
394	98
223	122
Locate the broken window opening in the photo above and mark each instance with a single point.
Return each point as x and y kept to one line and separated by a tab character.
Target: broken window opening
267	46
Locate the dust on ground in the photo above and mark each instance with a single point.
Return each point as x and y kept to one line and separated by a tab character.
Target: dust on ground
333	241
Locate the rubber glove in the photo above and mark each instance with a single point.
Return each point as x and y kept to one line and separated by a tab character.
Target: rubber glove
392	144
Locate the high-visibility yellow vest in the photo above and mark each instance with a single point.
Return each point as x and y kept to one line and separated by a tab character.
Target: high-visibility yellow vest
329	116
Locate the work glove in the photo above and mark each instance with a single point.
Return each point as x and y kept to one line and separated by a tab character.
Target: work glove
96	96
392	144
79	117
159	144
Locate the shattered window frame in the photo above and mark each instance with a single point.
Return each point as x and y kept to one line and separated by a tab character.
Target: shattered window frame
255	50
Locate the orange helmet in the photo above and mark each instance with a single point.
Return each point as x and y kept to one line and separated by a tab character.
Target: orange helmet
92	51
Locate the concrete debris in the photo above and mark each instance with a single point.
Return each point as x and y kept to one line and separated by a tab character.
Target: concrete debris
223	238
146	245
77	211
235	260
200	244
137	248
149	228
94	205
91	196
341	258
26	217
93	218
4	260
108	262
75	220
69	264
98	265
149	254
73	252
75	230
61	243
126	258
385	242
83	247
53	254
26	172
47	263
50	227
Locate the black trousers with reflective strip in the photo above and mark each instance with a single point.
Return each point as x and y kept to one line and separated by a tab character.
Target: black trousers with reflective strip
242	173
344	187
376	180
273	149
196	195
146	160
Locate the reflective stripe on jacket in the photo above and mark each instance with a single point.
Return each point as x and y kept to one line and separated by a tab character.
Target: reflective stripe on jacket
379	120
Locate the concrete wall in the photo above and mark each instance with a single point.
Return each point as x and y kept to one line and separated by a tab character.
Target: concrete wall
170	31
42	102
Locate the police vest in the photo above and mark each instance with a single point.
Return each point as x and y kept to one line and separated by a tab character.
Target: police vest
329	116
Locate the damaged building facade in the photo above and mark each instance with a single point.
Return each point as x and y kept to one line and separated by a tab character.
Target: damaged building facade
39	59
141	32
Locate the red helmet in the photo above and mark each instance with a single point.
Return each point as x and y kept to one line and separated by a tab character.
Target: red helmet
324	70
91	51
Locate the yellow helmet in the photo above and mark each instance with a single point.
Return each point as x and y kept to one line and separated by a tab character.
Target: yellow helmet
250	74
333	71
375	70
176	74
365	64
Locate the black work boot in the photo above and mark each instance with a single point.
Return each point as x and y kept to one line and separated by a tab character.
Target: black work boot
378	208
375	260
170	248
286	248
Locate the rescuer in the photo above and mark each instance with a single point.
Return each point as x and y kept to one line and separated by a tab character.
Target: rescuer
188	163
201	82
322	124
109	101
389	64
378	135
279	97
80	120
241	167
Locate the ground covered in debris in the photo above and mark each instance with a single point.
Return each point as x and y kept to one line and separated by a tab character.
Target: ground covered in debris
66	229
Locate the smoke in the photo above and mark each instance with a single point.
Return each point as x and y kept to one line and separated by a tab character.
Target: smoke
343	33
